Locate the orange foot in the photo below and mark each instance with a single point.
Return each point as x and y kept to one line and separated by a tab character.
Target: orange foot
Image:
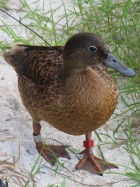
90	162
94	164
51	152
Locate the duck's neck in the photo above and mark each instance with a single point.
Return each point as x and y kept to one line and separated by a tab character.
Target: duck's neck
71	72
78	78
88	78
71	68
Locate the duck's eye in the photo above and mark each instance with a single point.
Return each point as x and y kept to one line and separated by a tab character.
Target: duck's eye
92	48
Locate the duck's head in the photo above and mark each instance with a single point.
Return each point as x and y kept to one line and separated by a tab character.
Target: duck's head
87	49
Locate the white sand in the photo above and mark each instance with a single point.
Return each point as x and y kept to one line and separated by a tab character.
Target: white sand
15	120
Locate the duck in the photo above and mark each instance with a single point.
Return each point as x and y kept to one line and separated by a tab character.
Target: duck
70	88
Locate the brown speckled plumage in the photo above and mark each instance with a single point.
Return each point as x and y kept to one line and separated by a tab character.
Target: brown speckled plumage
55	86
70	88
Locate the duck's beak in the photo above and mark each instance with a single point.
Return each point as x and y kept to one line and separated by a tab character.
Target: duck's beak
114	63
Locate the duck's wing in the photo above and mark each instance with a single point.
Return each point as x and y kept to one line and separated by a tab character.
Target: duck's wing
38	63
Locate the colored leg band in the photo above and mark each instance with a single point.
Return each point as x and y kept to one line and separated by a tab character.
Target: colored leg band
88	143
37	138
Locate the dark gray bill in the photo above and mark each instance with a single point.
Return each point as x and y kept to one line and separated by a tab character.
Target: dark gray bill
114	63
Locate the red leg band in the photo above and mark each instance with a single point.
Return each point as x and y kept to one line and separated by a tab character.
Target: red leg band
88	143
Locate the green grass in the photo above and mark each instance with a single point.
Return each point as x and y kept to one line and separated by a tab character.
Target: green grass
130	144
64	184
3	4
117	22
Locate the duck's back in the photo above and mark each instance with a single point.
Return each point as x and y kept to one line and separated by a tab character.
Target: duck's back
39	72
36	62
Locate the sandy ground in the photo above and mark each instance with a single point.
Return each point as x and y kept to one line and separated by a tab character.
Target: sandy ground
15	120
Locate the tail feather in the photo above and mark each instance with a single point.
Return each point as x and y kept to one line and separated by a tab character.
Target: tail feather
11	57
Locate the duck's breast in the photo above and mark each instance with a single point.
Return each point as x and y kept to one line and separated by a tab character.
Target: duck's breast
87	103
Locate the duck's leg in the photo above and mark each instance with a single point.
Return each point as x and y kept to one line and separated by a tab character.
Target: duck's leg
90	162
49	152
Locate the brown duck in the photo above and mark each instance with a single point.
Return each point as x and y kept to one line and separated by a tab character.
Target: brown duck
69	88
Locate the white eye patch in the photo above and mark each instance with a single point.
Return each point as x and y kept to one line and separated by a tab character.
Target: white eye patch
92	48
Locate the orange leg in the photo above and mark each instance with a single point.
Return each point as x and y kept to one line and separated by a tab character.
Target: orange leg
90	162
48	152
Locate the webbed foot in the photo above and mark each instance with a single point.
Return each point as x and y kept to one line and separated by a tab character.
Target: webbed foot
94	164
52	152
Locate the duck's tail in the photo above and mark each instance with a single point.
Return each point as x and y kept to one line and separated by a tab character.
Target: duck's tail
12	56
